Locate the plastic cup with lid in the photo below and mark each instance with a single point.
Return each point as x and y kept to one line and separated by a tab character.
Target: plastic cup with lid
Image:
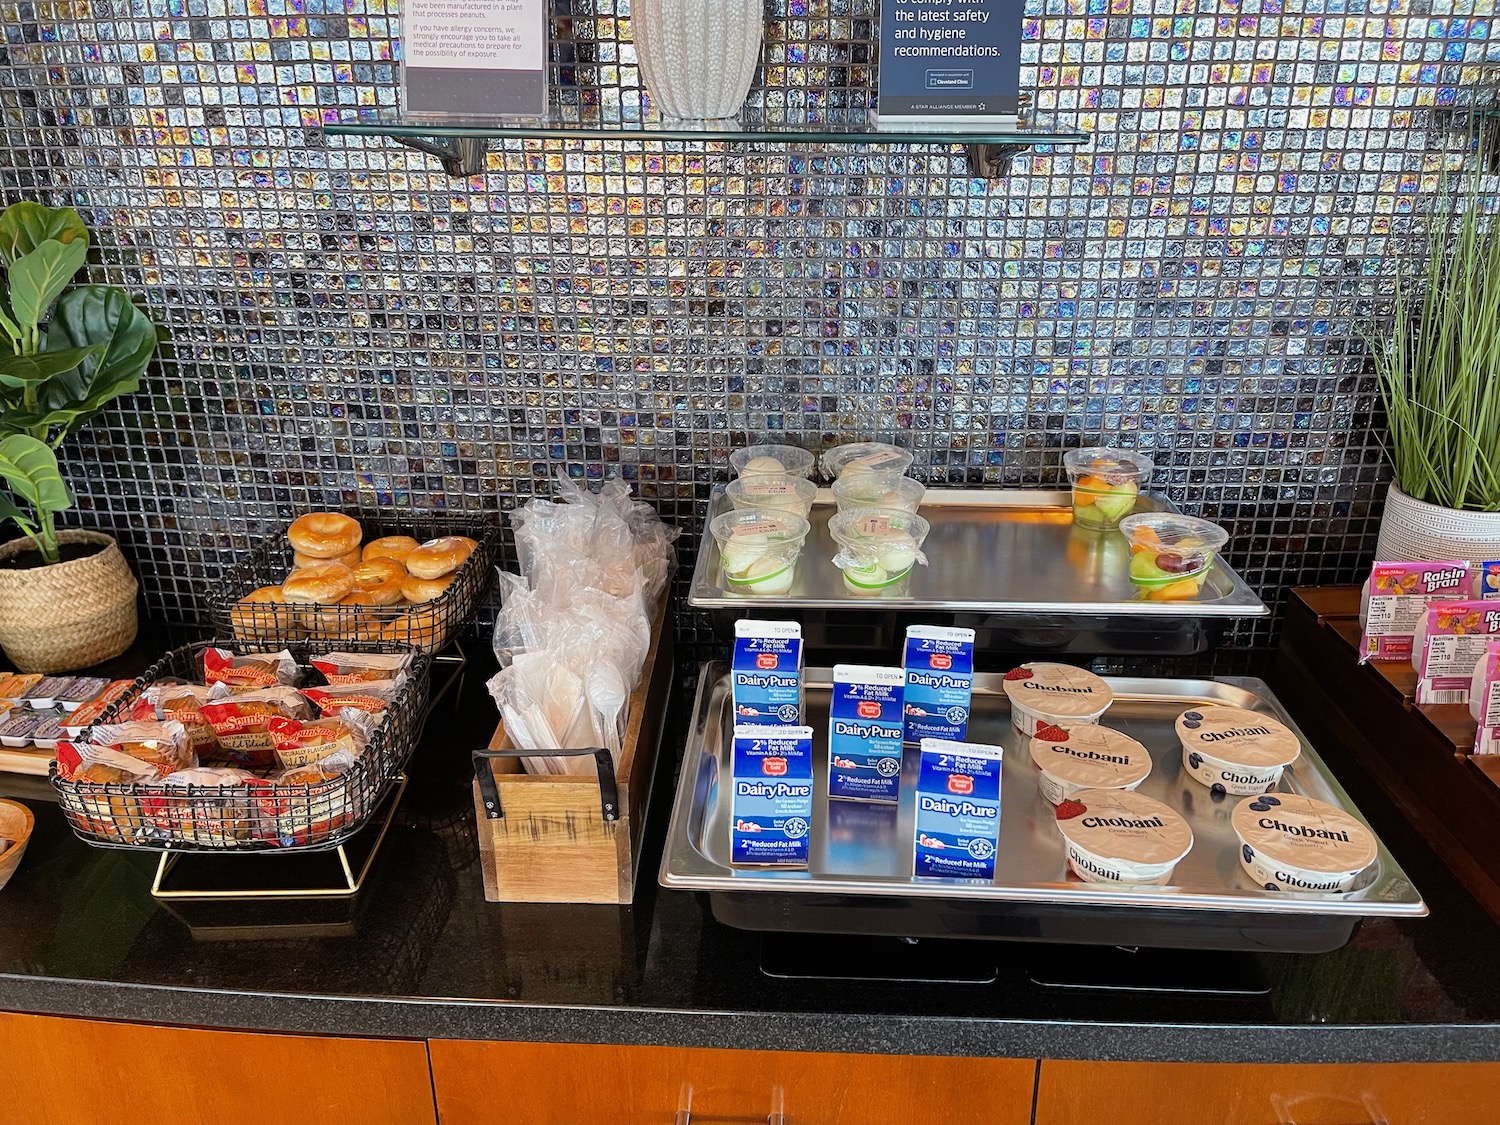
758	549
878	547
878	490
1106	482
1171	555
772	493
772	460
863	457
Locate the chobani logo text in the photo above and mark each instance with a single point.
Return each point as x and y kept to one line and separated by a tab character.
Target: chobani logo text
1032	685
1302	830
1091	755
1121	822
1232	732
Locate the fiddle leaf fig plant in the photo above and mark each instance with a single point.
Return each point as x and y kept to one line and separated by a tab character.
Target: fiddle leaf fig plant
72	352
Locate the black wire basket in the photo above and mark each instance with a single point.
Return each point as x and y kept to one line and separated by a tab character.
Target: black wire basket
262	816
428	626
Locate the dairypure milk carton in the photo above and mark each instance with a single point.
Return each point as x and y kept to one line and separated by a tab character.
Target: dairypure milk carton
766	672
939	682
958	809
771	801
865	726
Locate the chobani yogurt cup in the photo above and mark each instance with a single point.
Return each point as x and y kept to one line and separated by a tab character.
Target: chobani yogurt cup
1116	836
1058	695
1293	843
759	549
1232	750
1086	757
863	457
775	492
772	460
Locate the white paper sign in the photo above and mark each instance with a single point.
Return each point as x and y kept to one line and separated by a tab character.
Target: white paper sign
478	34
475	58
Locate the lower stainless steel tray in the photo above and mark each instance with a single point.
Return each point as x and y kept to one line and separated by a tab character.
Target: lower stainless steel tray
859	880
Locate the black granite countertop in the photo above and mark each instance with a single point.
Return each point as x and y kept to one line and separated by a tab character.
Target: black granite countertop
419	953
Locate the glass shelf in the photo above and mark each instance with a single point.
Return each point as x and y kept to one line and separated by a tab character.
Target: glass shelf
461	142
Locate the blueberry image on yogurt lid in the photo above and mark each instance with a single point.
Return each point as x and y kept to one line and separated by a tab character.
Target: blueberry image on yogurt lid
1195	760
1270	800
1191	723
1194	715
1260	806
1248	852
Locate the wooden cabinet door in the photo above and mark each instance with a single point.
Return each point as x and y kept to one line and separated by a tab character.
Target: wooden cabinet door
569	1084
66	1072
1085	1093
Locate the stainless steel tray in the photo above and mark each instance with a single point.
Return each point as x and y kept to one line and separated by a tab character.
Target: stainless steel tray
990	551
861	854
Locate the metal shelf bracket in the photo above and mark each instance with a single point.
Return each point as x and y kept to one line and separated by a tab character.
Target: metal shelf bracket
992	162
461	156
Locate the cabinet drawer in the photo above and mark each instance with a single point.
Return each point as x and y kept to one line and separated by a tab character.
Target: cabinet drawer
1085	1093
566	1084
64	1071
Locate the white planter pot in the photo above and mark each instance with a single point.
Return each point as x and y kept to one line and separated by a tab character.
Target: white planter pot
697	56
1414	531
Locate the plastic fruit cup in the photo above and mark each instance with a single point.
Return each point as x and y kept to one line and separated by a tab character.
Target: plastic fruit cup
878	490
863	457
779	492
774	460
1171	555
877	549
758	550
1105	482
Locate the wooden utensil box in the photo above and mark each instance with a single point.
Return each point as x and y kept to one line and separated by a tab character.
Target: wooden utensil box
560	838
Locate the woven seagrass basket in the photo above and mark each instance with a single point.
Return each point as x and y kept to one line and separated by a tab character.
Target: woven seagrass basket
69	615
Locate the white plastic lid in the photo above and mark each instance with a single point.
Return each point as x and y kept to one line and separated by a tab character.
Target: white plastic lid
1238	736
864	456
758	460
1058	689
1092	757
1299	832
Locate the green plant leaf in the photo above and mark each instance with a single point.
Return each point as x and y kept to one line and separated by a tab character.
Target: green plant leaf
30	468
97	317
37	279
26	225
18	370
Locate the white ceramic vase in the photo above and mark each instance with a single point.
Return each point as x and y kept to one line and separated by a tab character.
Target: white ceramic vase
697	57
1413	531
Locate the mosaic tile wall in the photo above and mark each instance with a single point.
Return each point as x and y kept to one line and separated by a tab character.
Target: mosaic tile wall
349	327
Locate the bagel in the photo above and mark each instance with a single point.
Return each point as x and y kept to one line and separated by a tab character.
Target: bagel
323	584
378	582
299	560
438	557
324	535
390	547
417	627
418	590
262	611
